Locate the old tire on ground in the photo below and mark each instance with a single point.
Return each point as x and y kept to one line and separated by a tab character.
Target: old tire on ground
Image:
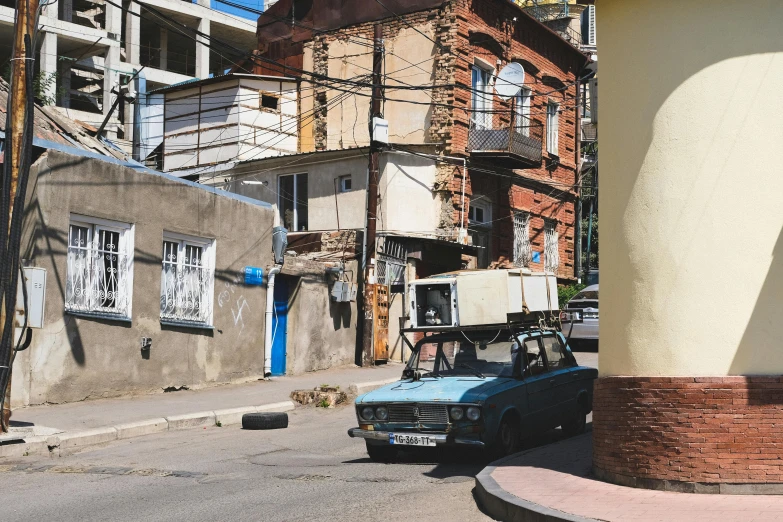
381	453
264	421
577	424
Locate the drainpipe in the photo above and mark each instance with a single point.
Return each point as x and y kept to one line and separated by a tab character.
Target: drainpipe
462	232
270	305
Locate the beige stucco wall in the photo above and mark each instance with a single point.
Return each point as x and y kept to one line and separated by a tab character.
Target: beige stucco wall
409	60
406	201
321	208
73	358
321	333
691	187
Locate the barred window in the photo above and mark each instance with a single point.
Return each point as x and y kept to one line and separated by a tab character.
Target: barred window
187	280
522	250
99	278
551	251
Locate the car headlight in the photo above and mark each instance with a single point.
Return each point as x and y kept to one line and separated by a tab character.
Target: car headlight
456	413
367	413
473	413
381	413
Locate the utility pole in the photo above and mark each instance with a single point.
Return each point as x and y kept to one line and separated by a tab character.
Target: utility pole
14	181
373	178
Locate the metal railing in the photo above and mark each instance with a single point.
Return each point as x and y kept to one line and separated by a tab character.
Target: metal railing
523	138
97	279
185	291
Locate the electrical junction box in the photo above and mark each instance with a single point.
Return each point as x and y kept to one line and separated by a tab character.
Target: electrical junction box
343	292
35	281
380	130
479	297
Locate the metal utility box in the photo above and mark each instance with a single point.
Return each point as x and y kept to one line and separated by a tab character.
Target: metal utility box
35	281
479	297
343	292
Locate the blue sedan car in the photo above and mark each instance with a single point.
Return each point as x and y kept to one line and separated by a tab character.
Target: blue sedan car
489	389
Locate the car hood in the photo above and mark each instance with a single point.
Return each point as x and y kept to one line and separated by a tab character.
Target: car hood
431	389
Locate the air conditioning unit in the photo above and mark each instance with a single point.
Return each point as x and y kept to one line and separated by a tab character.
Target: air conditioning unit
479	297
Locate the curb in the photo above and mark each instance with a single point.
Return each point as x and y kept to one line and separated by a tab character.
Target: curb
58	445
364	387
502	505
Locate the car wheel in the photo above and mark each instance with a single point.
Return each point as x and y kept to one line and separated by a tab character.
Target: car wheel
381	453
576	425
507	440
264	421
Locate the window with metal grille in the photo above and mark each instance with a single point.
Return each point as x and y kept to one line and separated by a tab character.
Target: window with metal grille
522	250
99	277
551	252
187	280
552	127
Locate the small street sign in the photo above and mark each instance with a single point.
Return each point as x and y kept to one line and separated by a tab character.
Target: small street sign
254	275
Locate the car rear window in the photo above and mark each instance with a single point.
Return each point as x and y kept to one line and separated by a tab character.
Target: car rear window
587	294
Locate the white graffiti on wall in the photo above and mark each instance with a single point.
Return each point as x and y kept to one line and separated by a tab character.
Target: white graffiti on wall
237	305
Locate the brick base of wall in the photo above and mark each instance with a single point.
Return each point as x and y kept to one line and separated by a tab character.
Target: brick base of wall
697	434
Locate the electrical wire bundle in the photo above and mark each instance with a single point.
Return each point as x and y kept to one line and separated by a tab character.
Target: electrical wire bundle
11	224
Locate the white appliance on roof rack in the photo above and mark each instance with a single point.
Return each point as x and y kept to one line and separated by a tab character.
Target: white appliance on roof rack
479	297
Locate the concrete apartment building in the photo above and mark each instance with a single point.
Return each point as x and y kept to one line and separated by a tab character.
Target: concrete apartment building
92	46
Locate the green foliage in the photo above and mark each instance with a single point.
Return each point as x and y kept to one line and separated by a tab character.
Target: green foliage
323	403
42	83
566	292
593	240
218	424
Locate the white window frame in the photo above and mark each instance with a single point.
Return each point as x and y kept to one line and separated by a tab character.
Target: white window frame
295	200
522	253
173	310
82	291
481	104
482	202
341	183
522	108
552	127
551	246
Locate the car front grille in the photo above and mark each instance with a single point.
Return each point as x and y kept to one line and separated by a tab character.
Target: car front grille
421	413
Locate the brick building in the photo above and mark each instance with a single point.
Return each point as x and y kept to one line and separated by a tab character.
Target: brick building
441	61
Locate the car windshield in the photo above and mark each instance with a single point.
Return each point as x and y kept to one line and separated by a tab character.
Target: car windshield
587	294
459	358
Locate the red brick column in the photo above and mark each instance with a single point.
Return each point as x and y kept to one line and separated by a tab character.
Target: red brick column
700	434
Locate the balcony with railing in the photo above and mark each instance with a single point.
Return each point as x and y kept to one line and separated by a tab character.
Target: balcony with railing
514	145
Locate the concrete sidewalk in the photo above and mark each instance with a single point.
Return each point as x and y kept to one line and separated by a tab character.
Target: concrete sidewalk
92	414
554	482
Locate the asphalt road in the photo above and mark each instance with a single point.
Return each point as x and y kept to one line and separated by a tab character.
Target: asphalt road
311	471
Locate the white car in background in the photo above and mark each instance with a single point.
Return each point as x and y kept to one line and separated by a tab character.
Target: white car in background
580	317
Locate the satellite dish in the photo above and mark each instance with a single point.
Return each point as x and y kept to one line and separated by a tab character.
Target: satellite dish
510	80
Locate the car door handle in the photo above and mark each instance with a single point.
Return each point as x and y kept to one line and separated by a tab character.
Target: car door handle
574	375
552	381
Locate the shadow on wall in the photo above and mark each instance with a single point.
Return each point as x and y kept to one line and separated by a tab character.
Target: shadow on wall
40	240
760	342
651	94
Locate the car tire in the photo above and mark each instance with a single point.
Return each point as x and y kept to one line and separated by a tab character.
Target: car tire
264	421
576	425
381	453
508	439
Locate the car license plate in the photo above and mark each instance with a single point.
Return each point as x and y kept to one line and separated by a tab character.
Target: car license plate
411	440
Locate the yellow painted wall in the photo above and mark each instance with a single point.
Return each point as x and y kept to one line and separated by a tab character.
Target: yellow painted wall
691	187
